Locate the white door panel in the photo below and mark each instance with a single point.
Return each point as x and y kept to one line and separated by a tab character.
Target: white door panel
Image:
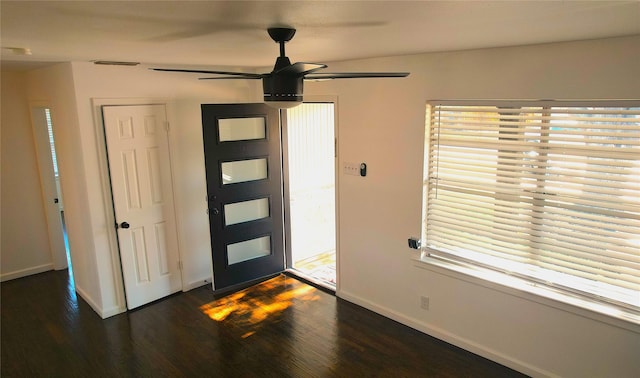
139	164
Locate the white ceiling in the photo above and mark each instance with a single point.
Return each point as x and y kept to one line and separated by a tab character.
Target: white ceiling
233	33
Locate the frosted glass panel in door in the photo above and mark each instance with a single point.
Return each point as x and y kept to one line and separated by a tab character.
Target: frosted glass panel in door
246	211
230	129
248	250
243	170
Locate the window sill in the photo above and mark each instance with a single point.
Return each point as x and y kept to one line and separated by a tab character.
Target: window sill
610	314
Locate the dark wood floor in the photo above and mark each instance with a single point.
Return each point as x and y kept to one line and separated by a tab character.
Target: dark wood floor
281	328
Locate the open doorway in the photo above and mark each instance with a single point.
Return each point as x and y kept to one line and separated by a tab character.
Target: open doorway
310	193
42	122
58	198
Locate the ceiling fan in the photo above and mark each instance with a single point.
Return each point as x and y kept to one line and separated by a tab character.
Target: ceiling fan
283	87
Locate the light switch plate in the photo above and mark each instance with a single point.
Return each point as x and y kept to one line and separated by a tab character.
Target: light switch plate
352	169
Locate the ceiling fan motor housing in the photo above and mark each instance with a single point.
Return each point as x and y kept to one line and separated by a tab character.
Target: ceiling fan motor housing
283	88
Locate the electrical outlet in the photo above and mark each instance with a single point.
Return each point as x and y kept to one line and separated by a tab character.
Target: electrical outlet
424	302
351	168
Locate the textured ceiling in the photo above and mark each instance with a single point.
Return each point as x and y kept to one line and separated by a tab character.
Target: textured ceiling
233	33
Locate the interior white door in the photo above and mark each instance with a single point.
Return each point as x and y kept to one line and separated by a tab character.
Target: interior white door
49	182
139	164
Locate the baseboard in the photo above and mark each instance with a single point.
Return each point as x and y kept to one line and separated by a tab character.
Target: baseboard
448	337
103	313
196	284
26	272
87	298
112	311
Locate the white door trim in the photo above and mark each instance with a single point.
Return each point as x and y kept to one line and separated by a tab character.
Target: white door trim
101	143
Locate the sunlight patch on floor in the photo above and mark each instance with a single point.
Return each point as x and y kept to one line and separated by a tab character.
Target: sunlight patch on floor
260	302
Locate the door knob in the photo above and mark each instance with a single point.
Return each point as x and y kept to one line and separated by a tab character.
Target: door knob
124	225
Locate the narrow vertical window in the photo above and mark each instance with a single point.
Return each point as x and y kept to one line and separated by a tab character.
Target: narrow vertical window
47	114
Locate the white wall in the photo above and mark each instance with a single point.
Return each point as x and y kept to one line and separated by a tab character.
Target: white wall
54	85
82	159
25	240
381	122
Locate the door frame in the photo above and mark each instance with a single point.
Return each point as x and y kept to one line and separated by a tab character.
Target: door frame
285	181
107	195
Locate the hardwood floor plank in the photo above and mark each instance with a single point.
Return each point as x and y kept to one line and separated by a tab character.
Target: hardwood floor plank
279	328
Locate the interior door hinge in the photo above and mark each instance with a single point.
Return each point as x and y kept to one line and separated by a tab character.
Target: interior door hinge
179	265
167	126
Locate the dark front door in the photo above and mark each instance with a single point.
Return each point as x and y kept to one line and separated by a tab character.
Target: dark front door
244	189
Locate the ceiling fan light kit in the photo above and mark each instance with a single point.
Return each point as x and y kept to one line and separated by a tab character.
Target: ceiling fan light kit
283	87
282	91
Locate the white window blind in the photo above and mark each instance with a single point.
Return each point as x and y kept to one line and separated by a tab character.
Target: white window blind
543	190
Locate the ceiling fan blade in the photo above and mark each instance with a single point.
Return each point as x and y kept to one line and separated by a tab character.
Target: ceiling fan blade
300	68
194	29
353	75
229	77
243	75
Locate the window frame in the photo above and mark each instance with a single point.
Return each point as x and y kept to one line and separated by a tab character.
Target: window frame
510	283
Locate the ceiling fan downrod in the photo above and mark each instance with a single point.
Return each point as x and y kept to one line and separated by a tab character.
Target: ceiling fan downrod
281	36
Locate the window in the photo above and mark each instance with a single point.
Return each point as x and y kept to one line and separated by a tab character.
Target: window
47	114
546	191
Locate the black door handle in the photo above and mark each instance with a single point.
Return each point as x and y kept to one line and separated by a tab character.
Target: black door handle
124	225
